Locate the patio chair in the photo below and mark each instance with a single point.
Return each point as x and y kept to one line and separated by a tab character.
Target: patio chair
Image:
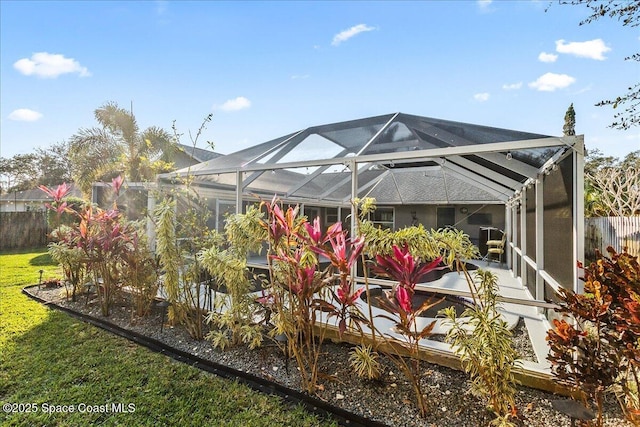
496	247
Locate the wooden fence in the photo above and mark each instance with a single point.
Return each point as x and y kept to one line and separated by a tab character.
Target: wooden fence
20	230
618	232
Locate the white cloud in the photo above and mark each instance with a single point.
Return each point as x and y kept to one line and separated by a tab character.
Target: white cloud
584	89
300	76
592	49
484	4
345	35
481	97
24	115
547	57
236	104
549	82
512	86
49	65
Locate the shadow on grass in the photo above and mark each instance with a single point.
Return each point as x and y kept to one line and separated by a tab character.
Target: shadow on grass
63	361
23	251
42	261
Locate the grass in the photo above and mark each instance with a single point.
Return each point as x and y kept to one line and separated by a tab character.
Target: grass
48	358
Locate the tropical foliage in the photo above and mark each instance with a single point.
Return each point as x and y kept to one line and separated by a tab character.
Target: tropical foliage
300	292
483	341
117	147
104	246
407	272
596	345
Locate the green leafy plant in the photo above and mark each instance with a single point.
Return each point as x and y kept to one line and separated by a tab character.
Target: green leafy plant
449	244
365	362
140	273
72	260
181	234
234	320
598	347
397	255
178	244
483	341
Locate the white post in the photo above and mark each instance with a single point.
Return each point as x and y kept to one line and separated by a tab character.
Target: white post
514	236
354	211
523	237
151	226
539	237
238	192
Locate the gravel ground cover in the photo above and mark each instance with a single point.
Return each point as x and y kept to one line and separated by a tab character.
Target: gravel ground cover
388	400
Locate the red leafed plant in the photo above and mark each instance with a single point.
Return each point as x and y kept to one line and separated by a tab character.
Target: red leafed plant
300	291
102	241
407	271
598	347
343	254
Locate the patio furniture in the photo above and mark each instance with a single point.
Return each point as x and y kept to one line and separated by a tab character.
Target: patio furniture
496	247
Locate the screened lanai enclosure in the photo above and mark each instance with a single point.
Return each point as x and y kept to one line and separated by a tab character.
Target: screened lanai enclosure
427	171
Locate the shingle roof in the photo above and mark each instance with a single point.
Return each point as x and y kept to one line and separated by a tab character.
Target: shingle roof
36	195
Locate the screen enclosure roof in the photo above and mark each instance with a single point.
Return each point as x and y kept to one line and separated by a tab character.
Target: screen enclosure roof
399	158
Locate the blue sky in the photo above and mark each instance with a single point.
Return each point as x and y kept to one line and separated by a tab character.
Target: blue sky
265	69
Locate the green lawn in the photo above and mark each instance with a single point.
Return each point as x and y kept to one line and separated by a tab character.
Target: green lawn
48	358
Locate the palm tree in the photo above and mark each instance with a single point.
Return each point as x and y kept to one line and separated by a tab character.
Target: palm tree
118	147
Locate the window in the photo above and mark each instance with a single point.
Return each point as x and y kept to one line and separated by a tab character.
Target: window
480	219
311	212
331	216
383	218
446	216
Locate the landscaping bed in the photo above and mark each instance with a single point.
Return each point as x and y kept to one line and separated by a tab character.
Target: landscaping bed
389	400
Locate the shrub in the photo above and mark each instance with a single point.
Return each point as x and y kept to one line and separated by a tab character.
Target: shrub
483	341
300	292
140	273
598	347
179	241
407	271
234	319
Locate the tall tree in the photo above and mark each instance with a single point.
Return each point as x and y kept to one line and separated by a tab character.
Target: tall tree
117	146
628	13
54	165
569	128
47	166
612	186
18	173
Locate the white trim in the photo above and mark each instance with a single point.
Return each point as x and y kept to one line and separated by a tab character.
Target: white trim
239	192
539	224
523	238
550	280
374	137
393	213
